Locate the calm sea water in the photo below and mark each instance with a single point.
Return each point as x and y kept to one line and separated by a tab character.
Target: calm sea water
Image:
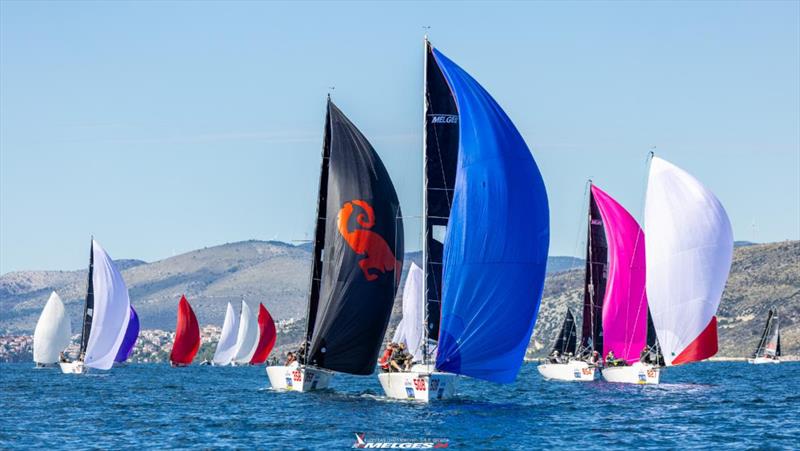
705	405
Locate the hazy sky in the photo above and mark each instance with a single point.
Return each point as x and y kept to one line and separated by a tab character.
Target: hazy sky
166	127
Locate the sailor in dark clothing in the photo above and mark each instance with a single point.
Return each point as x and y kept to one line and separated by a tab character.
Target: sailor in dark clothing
644	357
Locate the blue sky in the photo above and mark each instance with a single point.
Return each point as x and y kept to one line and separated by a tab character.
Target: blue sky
166	127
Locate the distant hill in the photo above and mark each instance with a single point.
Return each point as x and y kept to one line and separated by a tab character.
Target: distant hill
276	273
271	272
762	276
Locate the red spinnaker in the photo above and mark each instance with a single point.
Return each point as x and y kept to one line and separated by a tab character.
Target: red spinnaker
266	338
187	335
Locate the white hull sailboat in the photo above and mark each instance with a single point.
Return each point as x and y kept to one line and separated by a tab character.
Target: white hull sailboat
762	360
53	333
299	378
422	383
485	236
355	268
637	373
105	317
572	371
76	367
769	347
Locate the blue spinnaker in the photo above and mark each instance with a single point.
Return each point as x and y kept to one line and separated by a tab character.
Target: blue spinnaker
495	250
131	334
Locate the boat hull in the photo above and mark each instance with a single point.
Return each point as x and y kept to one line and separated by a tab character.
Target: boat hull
762	360
572	371
76	367
298	378
638	373
423	384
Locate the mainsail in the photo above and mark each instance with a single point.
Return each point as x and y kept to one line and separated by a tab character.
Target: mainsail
247	338
226	346
595	279
440	157
187	335
411	329
624	317
770	343
689	246
128	343
266	336
566	342
495	251
53	332
108	311
358	251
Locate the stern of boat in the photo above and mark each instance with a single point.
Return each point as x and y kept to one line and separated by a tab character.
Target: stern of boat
638	373
422	384
572	371
76	367
298	378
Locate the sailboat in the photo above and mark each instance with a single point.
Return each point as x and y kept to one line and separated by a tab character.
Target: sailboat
106	314
624	301
129	342
187	336
688	247
614	300
769	347
226	346
357	261
247	338
439	165
266	336
564	363
496	233
53	333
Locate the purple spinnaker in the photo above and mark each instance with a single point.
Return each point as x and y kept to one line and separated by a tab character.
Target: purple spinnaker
126	348
625	301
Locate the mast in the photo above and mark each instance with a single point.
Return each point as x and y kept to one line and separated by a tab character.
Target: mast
319	235
425	198
88	306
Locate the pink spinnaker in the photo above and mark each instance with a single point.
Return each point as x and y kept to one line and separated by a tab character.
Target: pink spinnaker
625	301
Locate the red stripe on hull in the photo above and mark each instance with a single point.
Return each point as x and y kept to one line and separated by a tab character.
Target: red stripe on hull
703	347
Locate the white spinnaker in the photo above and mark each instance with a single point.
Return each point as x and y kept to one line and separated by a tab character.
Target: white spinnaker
247	338
110	314
411	329
226	347
688	247
53	332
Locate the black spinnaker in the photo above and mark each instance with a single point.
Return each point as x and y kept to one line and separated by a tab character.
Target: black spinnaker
441	157
358	251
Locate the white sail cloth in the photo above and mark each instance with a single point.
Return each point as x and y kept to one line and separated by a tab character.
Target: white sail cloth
247	338
688	247
110	313
226	347
53	332
411	329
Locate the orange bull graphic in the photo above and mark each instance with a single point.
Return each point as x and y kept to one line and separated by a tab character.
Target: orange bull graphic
379	256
